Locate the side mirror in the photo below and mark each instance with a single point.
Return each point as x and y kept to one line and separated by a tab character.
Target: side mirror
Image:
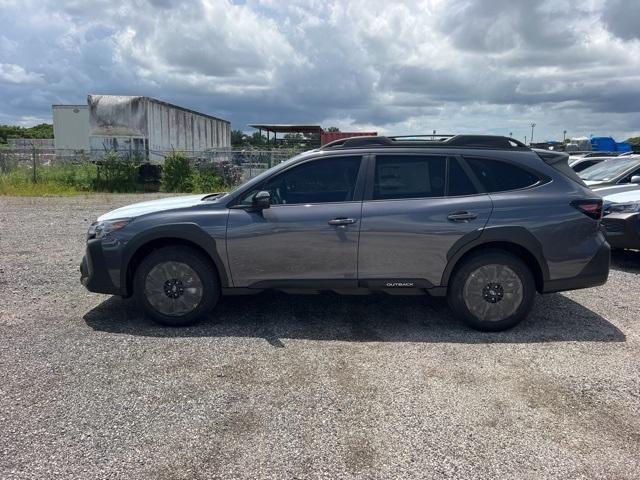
635	179
261	200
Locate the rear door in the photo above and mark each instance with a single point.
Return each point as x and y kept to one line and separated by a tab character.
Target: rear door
416	208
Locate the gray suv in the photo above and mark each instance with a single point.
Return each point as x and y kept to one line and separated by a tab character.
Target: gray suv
483	220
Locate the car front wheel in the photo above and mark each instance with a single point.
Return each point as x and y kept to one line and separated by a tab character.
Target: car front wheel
492	290
176	286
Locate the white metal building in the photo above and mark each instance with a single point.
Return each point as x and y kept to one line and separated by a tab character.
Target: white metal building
152	127
70	129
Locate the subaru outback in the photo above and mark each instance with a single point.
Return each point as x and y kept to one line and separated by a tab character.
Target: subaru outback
483	220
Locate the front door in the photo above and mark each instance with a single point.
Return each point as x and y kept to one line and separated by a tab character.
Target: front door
418	208
309	235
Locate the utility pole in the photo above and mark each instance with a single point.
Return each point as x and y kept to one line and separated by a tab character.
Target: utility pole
564	136
525	139
533	125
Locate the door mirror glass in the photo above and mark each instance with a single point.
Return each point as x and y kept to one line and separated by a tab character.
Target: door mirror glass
635	179
262	200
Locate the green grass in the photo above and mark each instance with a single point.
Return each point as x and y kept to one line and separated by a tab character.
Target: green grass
50	180
75	179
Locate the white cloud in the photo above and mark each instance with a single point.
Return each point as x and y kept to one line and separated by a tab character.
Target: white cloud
396	67
12	73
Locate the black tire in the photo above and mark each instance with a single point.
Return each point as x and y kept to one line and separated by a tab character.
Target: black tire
493	293
204	298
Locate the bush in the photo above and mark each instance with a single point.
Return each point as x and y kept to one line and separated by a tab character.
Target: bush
117	174
206	180
177	173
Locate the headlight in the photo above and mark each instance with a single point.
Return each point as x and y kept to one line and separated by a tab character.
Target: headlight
627	207
100	229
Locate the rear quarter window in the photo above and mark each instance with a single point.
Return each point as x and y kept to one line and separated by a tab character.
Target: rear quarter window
499	176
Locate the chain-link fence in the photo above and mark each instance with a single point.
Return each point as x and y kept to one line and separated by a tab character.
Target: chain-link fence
111	170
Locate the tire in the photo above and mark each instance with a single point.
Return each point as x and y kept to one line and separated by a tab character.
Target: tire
176	286
492	290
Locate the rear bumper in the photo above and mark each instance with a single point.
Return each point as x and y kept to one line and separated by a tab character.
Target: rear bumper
593	274
94	274
622	230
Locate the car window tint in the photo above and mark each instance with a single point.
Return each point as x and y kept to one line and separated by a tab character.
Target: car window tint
409	176
497	176
318	181
459	181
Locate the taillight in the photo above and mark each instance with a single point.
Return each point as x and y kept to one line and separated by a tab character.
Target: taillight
591	208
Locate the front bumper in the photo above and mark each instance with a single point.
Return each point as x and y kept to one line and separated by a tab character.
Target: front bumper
622	229
594	273
94	274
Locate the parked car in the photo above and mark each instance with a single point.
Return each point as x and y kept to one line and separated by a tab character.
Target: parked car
621	219
484	220
582	163
613	171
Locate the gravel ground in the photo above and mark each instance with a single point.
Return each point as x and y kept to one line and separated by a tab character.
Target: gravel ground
278	386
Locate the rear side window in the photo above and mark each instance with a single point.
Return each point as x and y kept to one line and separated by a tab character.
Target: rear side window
497	176
459	181
409	176
582	165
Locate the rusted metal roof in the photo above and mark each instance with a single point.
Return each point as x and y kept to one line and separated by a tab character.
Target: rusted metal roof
279	128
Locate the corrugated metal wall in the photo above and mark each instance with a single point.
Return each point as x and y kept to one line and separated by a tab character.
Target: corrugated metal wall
152	126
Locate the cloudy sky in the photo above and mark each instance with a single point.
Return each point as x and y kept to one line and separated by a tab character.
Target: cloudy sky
492	66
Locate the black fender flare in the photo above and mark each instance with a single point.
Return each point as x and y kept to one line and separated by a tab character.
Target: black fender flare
515	235
187	231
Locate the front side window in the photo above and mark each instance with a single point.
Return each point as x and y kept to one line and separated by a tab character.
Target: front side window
627	178
325	180
409	176
498	176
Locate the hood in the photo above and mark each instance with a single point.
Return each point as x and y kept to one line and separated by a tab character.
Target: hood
623	197
152	206
606	190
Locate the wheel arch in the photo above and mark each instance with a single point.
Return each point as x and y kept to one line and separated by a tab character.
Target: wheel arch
514	240
188	235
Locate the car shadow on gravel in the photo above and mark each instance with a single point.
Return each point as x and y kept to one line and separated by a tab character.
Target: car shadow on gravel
626	260
274	316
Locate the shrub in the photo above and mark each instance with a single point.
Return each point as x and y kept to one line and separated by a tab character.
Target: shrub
117	174
206	180
177	173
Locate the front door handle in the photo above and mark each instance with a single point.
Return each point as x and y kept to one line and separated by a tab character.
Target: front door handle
462	216
342	221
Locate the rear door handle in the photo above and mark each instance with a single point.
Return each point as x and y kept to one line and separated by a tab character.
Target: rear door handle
462	216
342	221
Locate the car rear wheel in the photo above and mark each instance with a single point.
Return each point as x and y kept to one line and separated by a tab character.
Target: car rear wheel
176	286
492	290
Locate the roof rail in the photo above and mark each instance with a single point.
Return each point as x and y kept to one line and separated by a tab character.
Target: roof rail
458	141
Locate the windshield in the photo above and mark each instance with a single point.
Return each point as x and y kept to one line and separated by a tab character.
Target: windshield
608	169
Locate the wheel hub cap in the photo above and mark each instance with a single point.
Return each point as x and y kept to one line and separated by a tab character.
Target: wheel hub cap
493	292
173	288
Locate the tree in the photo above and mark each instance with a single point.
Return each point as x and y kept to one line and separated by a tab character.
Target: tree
43	130
333	129
257	139
238	138
634	140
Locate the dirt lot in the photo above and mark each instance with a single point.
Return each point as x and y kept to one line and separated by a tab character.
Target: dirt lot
277	386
